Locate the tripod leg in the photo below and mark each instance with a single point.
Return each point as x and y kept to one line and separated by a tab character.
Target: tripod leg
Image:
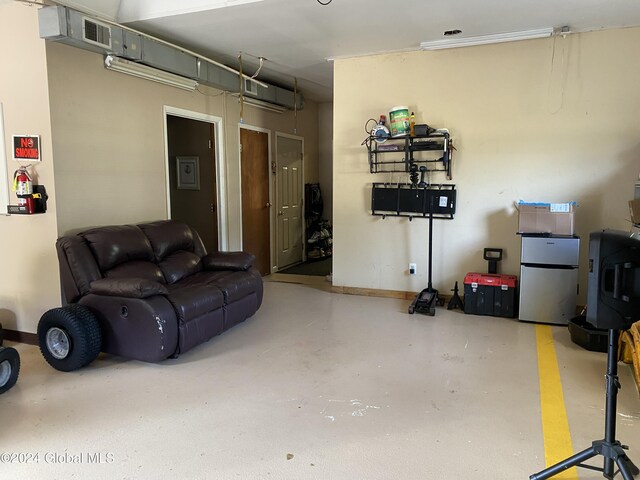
607	470
634	469
565	464
626	467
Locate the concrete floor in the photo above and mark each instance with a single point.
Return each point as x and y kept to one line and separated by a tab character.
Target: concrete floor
314	386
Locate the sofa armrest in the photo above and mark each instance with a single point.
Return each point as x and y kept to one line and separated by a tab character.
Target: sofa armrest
228	261
127	287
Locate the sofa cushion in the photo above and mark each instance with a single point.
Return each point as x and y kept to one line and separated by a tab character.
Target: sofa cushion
114	245
168	236
192	301
179	265
234	285
137	269
127	287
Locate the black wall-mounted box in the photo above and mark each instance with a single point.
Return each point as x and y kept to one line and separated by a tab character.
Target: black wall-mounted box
405	199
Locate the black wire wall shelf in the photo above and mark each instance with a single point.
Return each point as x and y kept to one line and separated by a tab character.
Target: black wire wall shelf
398	154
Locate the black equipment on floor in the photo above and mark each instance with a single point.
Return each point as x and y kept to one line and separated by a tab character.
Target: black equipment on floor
493	256
434	199
9	365
456	301
613	300
319	234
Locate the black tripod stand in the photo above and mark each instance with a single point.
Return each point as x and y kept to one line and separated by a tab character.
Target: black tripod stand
611	449
425	301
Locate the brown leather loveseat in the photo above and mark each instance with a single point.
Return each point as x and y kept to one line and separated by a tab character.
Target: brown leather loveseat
144	292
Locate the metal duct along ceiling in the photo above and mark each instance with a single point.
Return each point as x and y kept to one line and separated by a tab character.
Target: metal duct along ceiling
68	26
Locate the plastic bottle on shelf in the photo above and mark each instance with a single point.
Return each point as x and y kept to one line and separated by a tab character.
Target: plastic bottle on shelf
412	125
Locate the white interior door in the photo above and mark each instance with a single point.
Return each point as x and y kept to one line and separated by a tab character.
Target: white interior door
289	181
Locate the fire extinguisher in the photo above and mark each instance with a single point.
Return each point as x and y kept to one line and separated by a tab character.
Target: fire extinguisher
24	188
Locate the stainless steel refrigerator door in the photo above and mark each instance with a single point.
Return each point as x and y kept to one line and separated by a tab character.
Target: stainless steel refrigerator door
550	250
548	295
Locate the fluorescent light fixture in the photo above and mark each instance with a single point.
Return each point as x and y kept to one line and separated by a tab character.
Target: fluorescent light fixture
149	9
454	42
254	102
139	70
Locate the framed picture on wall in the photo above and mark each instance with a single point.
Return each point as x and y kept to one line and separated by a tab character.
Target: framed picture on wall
188	169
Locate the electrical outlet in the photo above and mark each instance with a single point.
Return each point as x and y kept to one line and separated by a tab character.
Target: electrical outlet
412	269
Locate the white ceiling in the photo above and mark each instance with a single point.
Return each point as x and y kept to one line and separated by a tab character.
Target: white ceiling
298	37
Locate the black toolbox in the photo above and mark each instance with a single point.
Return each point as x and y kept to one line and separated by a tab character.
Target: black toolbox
490	294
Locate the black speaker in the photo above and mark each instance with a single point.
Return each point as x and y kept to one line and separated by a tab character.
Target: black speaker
613	293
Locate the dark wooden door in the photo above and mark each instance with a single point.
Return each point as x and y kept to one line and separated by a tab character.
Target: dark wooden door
191	147
254	163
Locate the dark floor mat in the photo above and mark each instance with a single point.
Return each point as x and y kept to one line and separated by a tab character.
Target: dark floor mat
315	267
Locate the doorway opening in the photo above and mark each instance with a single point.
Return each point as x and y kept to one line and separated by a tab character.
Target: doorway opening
194	174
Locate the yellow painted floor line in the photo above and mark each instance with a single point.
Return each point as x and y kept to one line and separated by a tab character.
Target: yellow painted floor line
555	426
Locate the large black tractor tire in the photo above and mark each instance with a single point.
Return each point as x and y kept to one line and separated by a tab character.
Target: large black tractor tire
9	368
69	337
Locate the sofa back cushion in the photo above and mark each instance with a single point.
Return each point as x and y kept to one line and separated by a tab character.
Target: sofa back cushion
123	251
167	237
117	245
179	265
174	248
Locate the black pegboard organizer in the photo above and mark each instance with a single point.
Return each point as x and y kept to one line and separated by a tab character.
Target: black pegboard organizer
408	200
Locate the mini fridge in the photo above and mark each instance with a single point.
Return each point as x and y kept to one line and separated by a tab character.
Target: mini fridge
548	278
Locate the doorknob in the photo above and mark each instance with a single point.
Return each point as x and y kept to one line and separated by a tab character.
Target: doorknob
268	205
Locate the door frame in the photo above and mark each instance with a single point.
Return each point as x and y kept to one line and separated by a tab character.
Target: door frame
304	220
220	167
272	267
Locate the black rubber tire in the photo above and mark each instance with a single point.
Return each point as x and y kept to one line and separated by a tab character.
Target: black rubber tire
1	335
11	356
83	331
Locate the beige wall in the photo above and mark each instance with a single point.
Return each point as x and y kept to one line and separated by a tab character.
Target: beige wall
550	120
29	282
325	150
109	141
106	132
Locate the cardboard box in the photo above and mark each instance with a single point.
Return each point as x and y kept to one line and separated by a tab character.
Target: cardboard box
634	209
553	218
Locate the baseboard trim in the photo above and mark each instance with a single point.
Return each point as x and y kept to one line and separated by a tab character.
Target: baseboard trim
375	292
21	337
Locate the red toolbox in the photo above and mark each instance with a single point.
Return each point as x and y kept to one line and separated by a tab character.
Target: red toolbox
488	294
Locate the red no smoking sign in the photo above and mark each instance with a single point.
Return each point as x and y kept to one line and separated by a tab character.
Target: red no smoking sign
26	147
